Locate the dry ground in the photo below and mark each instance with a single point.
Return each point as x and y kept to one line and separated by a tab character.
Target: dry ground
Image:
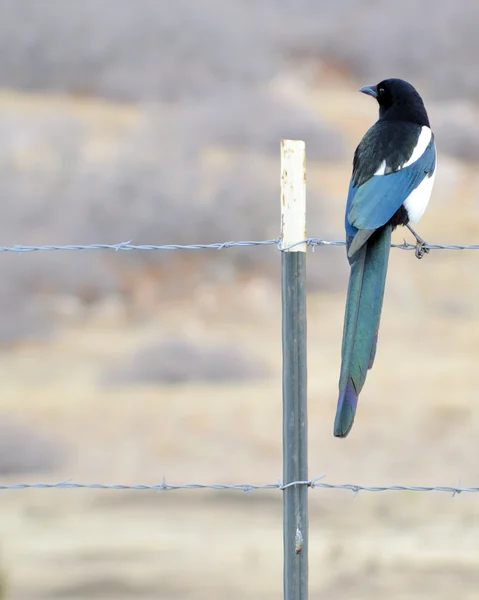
418	424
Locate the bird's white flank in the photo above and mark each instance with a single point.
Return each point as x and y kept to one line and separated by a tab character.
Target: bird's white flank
418	199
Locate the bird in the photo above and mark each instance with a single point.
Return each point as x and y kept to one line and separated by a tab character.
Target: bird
394	168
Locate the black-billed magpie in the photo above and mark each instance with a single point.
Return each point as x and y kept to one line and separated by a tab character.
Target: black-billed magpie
393	174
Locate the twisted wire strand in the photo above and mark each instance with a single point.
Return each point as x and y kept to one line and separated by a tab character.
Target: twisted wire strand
128	246
315	483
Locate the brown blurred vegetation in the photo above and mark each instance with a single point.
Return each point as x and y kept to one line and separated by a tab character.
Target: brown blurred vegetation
185	149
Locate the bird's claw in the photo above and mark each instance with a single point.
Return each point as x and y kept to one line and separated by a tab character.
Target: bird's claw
421	249
421	245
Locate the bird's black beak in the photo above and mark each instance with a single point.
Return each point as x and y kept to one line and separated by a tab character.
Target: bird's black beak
370	90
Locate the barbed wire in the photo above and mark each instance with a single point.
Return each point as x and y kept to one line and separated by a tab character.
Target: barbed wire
129	246
315	483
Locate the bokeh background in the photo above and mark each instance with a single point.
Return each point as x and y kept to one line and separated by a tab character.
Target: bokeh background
159	122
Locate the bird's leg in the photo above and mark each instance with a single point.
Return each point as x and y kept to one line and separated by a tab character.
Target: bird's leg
421	244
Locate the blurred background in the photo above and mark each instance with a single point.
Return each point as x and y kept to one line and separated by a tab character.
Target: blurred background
159	122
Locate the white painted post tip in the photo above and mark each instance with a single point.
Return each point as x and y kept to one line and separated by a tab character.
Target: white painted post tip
293	195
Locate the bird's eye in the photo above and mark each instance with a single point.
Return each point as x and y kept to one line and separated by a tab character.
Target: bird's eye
381	91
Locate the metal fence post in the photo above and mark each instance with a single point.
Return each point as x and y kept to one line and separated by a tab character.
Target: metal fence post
293	293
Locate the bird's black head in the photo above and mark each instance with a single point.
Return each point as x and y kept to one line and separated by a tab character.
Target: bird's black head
398	101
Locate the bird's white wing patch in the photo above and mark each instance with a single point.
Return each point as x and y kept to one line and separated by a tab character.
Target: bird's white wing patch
381	169
421	145
418	199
